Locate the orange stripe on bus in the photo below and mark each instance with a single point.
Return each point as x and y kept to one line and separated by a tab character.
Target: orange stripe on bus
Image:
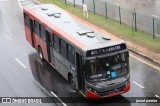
55	29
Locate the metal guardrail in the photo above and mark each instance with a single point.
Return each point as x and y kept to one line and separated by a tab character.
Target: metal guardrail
149	24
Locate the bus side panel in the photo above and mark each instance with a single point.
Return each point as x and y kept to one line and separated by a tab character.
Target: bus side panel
28	35
62	65
43	45
36	41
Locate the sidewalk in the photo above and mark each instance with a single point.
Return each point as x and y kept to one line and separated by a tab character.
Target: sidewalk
142	51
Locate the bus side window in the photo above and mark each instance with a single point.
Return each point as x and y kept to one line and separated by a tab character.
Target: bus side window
43	32
36	28
53	40
56	43
26	20
71	54
63	48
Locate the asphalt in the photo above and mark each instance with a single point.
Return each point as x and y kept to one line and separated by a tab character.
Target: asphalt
21	69
145	77
16	79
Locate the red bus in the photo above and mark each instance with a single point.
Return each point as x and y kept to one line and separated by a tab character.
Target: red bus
95	62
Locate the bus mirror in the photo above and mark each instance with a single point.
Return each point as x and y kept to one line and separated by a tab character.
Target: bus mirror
72	68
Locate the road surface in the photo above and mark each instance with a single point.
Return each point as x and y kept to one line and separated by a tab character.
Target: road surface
16	79
19	63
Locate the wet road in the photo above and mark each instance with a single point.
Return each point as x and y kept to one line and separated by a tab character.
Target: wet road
144	83
19	61
16	79
146	7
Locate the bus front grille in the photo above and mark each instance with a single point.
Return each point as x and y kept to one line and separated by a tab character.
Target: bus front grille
120	89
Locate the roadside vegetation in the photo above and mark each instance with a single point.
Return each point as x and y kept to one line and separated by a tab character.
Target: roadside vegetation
123	31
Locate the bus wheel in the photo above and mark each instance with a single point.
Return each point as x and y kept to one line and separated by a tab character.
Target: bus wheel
40	53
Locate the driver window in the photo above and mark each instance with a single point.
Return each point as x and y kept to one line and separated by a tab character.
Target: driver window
95	67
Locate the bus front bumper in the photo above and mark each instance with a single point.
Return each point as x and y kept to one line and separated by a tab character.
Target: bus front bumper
92	95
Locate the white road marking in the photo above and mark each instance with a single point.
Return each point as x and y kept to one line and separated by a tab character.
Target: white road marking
52	65
157	96
52	93
39	85
58	98
8	37
19	4
138	84
20	62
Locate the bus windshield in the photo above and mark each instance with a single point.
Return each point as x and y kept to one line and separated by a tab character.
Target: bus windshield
107	68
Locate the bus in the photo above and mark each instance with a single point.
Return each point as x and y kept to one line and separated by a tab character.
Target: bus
94	61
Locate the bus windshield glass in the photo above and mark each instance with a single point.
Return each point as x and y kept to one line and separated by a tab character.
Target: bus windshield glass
107	68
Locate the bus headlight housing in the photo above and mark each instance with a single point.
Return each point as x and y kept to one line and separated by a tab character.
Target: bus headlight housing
92	90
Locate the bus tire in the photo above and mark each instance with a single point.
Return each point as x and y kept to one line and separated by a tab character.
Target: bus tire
40	53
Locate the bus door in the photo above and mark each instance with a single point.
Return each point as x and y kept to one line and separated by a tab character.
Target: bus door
49	44
32	31
80	73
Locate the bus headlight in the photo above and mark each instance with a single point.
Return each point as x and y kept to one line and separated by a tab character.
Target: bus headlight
89	89
126	83
92	90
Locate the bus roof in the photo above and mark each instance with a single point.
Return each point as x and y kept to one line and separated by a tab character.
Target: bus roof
87	35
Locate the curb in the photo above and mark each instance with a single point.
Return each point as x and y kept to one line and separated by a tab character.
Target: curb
133	51
144	56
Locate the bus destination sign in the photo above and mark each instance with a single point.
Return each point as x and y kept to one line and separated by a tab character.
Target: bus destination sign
106	50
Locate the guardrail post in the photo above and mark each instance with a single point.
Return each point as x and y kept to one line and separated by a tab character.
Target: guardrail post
135	21
66	2
106	10
94	7
119	14
83	1
74	3
153	28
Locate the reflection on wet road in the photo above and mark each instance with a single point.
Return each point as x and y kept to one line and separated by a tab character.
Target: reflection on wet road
50	79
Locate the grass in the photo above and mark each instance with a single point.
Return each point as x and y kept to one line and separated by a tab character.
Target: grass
122	31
